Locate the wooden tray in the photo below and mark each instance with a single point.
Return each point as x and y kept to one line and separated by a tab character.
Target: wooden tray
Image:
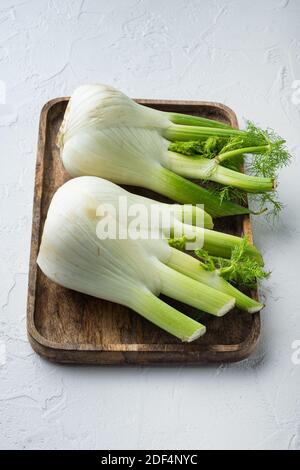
66	326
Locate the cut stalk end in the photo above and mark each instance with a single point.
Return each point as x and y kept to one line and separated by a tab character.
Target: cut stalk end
189	266
223	310
193	293
200	332
256	308
166	317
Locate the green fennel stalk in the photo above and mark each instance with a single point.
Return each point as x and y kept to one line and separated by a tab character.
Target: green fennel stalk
104	133
191	267
218	159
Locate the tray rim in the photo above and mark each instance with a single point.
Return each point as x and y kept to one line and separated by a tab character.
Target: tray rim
49	349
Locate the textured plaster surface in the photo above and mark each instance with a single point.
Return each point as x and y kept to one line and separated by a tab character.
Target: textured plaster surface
245	54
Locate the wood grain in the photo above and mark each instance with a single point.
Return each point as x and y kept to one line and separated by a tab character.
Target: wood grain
69	327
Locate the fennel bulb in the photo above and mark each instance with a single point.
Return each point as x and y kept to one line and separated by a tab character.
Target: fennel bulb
130	272
170	221
106	134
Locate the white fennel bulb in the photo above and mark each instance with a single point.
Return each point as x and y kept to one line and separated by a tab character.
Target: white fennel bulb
129	272
104	133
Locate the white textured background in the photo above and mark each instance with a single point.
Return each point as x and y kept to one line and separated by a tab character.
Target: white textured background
245	54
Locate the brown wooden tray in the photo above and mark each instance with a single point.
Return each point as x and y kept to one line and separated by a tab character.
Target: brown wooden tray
66	326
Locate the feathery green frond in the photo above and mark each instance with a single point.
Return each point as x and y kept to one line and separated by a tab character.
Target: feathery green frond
239	270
